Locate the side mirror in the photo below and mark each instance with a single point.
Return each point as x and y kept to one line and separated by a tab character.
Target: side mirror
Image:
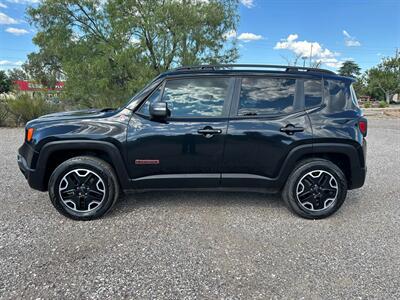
159	110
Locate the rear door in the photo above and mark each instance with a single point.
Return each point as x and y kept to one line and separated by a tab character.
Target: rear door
186	149
267	120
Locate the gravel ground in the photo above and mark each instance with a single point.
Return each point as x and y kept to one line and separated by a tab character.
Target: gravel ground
188	245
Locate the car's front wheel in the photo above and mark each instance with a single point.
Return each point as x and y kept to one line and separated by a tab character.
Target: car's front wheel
83	188
315	189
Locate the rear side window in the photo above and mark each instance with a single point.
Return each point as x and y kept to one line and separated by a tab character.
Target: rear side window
196	97
312	93
265	96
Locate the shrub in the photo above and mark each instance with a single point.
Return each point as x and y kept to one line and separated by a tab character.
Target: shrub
383	104
367	104
3	113
25	108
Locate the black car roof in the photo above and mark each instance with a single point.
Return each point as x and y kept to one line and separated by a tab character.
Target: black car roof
236	69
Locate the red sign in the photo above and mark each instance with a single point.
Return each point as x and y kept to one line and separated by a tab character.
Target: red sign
25	85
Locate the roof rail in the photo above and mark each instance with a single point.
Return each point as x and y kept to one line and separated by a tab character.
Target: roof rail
251	66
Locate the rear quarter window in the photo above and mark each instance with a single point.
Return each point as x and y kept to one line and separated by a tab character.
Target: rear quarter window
354	96
338	96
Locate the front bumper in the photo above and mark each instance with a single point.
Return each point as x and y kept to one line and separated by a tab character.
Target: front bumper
26	171
26	159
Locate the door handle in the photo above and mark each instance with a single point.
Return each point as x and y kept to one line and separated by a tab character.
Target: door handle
208	131
291	129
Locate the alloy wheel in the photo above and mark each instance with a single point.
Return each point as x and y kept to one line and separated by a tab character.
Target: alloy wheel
82	190
317	190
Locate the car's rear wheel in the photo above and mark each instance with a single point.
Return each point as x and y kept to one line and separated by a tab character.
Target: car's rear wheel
83	188
315	189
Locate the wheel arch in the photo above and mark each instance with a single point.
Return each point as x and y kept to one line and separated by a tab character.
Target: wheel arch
56	152
347	157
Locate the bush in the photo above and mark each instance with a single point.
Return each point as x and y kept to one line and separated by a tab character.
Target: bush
3	113
383	104
367	104
25	108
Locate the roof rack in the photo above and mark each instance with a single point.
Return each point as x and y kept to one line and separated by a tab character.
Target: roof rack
252	66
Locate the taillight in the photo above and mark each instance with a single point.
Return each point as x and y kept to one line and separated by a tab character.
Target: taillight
29	134
363	125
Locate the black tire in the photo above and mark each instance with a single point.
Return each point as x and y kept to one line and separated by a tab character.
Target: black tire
96	196
320	204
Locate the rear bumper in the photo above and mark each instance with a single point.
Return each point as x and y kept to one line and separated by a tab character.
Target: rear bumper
358	178
358	174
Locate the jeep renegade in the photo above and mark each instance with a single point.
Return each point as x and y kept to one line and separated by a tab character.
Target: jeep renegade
298	131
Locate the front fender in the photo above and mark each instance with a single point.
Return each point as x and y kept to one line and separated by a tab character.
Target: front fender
37	176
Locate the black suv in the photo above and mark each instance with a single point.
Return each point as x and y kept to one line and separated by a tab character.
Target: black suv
231	127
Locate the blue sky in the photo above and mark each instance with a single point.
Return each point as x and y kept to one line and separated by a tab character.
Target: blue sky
270	31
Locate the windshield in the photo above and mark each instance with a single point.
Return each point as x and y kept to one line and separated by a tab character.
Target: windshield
132	104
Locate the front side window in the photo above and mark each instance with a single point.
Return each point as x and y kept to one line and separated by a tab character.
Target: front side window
264	96
196	97
312	93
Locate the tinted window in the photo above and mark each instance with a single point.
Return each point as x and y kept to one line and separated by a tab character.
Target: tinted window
338	96
312	92
196	97
354	96
154	97
266	96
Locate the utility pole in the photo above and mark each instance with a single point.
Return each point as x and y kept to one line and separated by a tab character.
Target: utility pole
304	60
310	54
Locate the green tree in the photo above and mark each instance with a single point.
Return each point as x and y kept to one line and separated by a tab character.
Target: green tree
386	77
107	50
349	68
17	74
5	83
43	68
360	85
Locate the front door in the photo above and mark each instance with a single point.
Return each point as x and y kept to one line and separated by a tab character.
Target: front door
186	149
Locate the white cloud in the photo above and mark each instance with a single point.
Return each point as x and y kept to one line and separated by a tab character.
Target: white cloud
2	5
11	63
346	34
350	41
230	34
247	3
4	19
17	31
247	37
305	49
